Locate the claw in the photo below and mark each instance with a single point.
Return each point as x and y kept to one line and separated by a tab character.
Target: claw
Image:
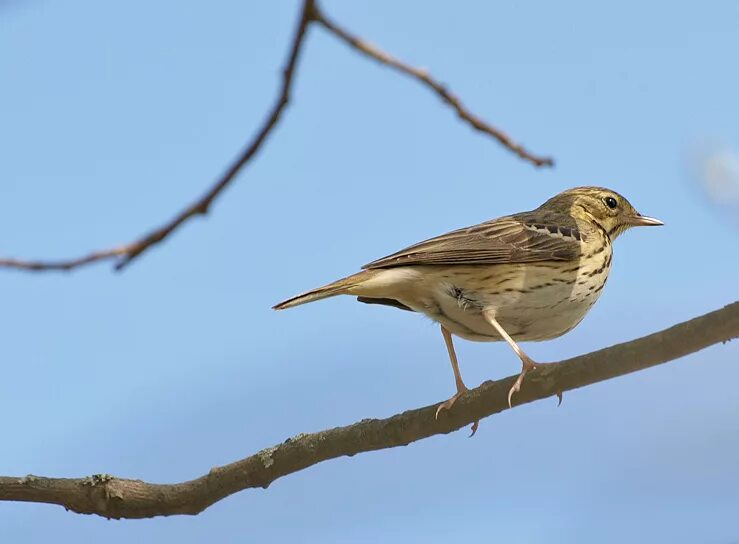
441	407
516	387
527	364
447	405
512	390
559	396
475	425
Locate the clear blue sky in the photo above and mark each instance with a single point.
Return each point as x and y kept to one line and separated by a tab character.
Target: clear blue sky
115	115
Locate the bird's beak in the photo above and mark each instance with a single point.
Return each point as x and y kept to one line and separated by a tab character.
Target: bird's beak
639	220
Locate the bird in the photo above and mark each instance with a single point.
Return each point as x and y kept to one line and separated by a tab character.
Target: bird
529	276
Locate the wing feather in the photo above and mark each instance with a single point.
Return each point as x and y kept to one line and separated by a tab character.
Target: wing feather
520	238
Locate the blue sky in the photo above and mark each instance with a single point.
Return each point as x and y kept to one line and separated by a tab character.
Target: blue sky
115	115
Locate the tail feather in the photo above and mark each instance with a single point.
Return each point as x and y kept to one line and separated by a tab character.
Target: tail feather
339	287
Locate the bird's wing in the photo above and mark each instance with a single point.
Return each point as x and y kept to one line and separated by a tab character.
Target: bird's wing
523	238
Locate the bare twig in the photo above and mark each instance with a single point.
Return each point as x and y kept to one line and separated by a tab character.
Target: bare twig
112	497
125	254
67	264
443	93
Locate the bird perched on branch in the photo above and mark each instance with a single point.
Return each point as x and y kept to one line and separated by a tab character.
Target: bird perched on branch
528	276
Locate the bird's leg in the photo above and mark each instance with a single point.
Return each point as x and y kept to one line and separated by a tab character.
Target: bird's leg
527	362
461	387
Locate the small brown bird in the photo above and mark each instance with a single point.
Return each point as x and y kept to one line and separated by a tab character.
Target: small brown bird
528	276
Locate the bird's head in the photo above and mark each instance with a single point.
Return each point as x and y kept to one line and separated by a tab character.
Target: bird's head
602	206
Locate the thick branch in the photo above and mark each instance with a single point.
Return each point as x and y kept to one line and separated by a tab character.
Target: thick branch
125	254
121	498
422	76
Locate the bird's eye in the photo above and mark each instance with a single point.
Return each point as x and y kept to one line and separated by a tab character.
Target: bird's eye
611	202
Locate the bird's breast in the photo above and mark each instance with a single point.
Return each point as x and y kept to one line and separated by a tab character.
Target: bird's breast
531	301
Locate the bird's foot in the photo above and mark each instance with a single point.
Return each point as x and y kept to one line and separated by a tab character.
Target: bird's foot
447	405
516	387
527	365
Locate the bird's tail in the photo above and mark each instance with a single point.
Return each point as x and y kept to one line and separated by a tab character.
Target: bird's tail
343	286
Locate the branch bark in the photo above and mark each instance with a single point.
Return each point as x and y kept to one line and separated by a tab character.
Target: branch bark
113	497
124	254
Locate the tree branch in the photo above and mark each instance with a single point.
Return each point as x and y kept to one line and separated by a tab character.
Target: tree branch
112	497
423	77
124	254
